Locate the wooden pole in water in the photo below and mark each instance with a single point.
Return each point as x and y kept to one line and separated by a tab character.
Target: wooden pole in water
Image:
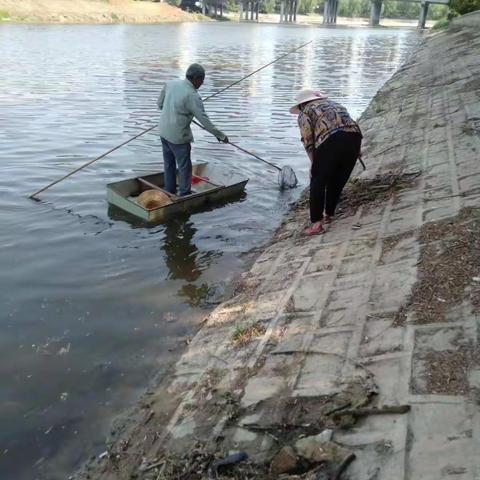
34	195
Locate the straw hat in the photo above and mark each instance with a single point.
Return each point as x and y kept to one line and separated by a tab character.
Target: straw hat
151	199
304	96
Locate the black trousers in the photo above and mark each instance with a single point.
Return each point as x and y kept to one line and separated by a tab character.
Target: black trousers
332	166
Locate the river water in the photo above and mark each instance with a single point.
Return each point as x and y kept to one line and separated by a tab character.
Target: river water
93	306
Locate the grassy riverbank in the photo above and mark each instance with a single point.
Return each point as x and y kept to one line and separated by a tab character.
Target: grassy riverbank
91	11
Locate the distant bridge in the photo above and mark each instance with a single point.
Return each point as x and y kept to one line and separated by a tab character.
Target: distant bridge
331	7
249	10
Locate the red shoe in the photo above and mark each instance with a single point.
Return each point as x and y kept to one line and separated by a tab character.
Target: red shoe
327	219
315	229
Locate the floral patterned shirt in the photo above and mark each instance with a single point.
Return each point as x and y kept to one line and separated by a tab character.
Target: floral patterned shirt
322	118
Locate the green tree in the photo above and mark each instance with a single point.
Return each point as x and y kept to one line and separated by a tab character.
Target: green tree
391	9
269	6
354	8
399	9
437	12
306	6
232	6
462	7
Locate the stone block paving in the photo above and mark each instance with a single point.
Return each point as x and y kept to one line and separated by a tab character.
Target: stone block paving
329	305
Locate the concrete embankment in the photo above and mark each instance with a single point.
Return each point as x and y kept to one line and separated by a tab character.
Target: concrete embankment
326	333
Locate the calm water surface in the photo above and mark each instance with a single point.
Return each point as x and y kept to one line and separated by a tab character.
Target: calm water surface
92	305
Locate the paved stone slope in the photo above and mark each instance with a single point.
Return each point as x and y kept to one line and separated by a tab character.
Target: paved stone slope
372	303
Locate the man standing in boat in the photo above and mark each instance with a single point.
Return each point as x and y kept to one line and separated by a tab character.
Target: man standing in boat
179	103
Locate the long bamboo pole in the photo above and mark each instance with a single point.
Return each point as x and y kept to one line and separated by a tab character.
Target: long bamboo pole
88	163
33	195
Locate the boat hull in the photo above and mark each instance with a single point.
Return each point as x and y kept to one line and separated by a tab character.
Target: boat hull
216	186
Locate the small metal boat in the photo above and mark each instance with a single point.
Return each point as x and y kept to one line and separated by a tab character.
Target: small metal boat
210	184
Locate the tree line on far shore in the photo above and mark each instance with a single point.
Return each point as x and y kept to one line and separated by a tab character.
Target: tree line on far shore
361	8
354	8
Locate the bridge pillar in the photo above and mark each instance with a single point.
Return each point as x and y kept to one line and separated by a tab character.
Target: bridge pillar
330	12
288	11
249	10
375	11
423	15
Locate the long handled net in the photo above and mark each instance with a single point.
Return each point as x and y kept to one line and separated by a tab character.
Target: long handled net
286	175
287	178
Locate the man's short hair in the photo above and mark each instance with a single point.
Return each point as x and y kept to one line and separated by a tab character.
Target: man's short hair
195	70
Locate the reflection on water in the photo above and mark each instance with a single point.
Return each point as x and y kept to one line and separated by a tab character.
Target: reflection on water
94	304
180	252
181	257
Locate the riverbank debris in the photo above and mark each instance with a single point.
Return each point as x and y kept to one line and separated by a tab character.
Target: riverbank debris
220	463
299	430
285	461
365	192
375	190
308	460
362	412
243	335
202	463
450	258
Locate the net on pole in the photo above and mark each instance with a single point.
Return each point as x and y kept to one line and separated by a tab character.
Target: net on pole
287	178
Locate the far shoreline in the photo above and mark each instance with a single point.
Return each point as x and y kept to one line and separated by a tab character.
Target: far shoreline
92	12
130	12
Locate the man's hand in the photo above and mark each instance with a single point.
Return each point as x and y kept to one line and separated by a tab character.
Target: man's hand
224	140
